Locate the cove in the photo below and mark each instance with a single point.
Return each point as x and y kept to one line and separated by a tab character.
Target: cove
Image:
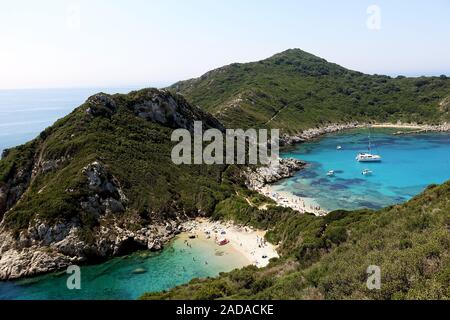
411	162
129	277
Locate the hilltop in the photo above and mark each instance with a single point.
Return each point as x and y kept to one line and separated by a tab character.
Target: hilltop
295	91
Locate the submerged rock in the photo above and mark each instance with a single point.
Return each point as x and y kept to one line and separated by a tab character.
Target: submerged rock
139	271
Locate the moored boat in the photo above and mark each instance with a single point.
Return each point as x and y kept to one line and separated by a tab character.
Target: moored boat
368	156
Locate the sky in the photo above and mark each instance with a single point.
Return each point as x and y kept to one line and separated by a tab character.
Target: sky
70	43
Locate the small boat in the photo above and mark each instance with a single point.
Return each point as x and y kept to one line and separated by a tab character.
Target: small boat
368	156
339	148
223	242
331	173
367	172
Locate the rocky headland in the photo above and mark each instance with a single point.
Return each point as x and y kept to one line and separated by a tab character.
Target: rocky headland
51	219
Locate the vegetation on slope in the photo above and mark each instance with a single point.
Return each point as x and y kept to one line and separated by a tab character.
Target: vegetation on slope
295	90
44	179
327	258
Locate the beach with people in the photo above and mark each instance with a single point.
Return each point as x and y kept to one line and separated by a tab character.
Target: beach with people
249	242
290	200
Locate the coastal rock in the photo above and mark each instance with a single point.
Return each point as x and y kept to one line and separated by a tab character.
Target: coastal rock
45	248
16	264
172	111
317	132
45	166
101	104
257	178
107	196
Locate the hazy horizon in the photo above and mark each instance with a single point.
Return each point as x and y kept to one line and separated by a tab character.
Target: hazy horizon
90	44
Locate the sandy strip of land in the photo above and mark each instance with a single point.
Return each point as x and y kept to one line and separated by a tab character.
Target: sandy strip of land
444	127
290	200
248	241
399	126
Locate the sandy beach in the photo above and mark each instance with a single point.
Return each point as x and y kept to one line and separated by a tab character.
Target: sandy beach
246	240
398	126
290	200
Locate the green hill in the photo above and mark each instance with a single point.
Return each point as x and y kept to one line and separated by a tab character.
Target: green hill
327	258
295	90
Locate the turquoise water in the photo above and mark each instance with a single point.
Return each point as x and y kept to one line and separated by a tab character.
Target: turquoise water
117	279
410	163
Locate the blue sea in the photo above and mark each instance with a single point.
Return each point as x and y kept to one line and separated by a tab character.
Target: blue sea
410	163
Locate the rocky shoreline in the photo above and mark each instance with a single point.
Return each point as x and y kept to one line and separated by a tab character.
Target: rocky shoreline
44	248
314	133
259	177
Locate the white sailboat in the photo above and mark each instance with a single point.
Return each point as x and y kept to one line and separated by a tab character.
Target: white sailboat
368	156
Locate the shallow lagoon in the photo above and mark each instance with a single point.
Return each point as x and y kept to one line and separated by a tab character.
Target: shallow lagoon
128	277
410	163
